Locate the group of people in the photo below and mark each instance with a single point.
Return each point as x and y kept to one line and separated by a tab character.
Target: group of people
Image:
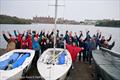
88	44
40	41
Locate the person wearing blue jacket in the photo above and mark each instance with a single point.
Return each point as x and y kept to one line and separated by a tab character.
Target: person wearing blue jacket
37	48
35	44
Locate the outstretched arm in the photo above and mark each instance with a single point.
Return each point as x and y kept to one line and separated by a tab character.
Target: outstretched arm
80	35
5	37
111	46
99	35
9	34
23	34
15	33
109	38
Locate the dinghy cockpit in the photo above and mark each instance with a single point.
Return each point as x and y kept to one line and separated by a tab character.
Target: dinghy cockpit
14	61
59	58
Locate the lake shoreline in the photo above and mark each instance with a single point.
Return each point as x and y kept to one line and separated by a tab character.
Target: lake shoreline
66	25
108	26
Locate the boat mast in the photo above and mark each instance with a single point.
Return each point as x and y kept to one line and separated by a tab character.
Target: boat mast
56	6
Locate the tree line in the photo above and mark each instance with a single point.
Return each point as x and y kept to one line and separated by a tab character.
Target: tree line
4	19
109	23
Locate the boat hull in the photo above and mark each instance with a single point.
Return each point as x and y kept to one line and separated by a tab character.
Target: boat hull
107	64
53	71
16	73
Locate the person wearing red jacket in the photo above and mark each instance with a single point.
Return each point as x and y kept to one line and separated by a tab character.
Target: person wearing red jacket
29	39
24	43
74	50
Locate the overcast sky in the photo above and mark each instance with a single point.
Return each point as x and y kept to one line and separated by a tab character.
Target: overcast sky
72	9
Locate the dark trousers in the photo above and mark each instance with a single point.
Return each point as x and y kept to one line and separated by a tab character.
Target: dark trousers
80	56
89	57
84	55
35	58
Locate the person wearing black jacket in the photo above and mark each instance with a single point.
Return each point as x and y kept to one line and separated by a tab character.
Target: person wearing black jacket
69	39
82	44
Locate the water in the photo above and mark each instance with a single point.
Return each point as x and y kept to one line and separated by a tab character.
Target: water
106	31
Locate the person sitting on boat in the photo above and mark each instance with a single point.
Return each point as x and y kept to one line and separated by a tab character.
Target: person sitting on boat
106	45
11	42
103	40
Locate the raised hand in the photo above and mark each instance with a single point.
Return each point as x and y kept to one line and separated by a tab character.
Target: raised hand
8	32
18	31
3	32
110	35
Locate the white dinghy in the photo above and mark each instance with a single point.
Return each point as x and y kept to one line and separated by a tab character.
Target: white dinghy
54	63
54	66
14	63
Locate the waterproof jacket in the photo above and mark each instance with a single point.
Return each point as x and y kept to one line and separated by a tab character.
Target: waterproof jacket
73	51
